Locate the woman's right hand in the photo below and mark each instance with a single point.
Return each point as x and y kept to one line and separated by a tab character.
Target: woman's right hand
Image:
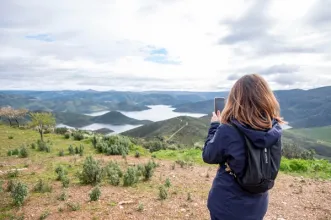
216	118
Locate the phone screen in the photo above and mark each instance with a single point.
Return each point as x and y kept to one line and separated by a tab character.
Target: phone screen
219	103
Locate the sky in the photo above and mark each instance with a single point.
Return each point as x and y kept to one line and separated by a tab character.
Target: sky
140	45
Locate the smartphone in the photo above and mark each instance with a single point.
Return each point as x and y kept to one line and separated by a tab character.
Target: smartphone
219	103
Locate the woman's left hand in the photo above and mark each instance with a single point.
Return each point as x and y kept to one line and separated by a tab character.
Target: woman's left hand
216	118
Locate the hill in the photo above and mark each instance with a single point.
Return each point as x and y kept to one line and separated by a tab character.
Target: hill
184	130
117	118
72	119
193	131
301	108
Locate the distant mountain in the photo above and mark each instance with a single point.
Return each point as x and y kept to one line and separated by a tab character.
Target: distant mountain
301	108
117	118
204	107
184	130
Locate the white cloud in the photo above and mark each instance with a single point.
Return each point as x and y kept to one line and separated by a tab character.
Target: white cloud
105	45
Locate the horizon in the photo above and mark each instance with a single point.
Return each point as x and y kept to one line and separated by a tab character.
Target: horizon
153	91
136	45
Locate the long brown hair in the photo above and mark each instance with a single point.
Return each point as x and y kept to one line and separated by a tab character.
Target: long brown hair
251	102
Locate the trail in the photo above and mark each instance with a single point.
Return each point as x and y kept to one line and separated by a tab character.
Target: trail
178	130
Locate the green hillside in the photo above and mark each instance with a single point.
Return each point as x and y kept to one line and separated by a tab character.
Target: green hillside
322	134
182	130
196	130
72	119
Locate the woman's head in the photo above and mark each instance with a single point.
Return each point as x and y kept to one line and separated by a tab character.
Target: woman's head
252	102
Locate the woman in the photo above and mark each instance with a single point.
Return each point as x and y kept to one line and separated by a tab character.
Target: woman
253	108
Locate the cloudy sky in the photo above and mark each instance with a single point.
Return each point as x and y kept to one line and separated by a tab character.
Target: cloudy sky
163	44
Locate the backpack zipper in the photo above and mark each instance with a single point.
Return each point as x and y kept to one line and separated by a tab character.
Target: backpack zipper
266	155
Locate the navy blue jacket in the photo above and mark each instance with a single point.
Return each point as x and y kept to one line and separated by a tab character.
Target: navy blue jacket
226	200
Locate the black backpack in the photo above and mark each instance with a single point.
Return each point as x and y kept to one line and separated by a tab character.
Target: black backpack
262	166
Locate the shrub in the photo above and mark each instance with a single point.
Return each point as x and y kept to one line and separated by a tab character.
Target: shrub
61	153
1	183
113	173
10	137
13	173
10	186
63	196
147	170
42	187
15	152
189	197
137	154
94	141
44	215
130	177
19	193
140	208
61	130
92	172
65	181
78	136
73	206
33	146
9	153
293	151
66	135
71	150
167	183
24	152
114	145
95	194
163	194
182	163
154	146
81	150
61	172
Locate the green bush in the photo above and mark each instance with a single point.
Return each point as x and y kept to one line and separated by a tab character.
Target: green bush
73	206
147	170
92	172
15	152
63	196
293	151
13	173
71	150
154	146
137	154
9	153
130	177
61	153
44	215
163	194
65	181
10	137
114	145
167	183
42	187
33	146
113	173
95	194
78	136
61	172
94	141
24	152
61	130
66	135
19	193
10	185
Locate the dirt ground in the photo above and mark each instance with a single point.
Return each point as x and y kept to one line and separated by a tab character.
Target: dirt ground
291	198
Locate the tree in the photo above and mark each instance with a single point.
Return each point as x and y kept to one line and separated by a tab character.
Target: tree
7	112
19	114
42	121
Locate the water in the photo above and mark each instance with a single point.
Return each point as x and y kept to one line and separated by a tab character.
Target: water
155	113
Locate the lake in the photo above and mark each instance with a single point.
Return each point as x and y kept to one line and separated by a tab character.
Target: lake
155	113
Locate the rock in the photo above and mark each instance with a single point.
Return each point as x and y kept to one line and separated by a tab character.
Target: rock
183	210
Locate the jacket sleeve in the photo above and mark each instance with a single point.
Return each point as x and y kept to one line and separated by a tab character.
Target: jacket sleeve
215	148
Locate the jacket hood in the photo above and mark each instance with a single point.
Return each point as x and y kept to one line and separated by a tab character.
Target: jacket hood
262	139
